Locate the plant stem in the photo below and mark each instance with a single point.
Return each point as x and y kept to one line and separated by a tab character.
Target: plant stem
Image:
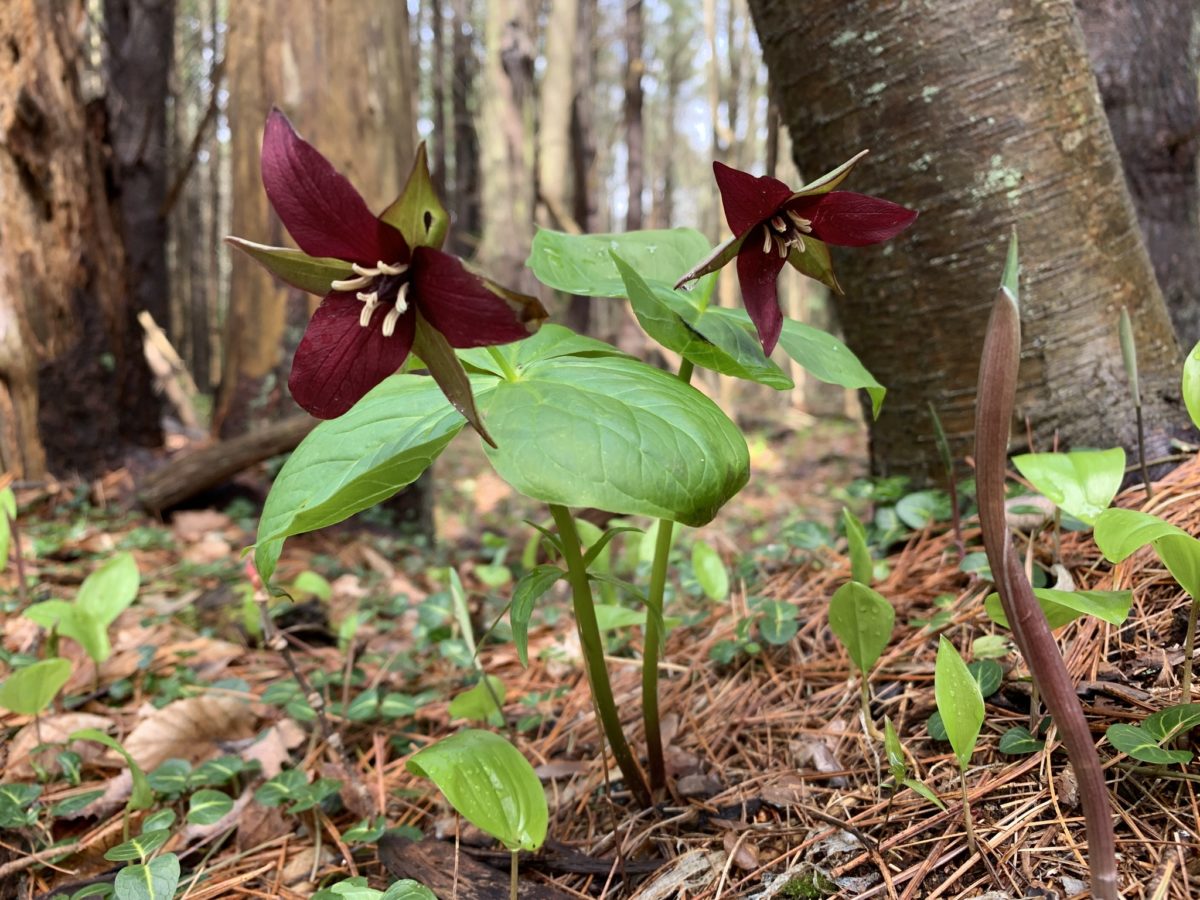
654	637
1189	645
510	374
967	820
1141	434
868	722
512	878
593	654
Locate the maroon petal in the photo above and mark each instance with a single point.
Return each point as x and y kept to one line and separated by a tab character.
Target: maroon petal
758	272
847	219
320	208
338	360
467	309
748	199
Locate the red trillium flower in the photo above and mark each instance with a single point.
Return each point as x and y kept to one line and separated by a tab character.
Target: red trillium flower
772	224
383	289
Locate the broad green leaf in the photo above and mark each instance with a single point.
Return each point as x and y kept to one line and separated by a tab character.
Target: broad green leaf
700	335
777	621
1081	482
70	806
478	704
990	646
311	274
582	432
17	809
69	620
110	589
1167	723
142	796
1191	384
710	571
1120	532
312	584
287	785
897	762
531	588
922	508
163	818
314	794
354	888
208	806
1062	607
171	776
582	264
1018	741
418	213
219	771
363	707
958	700
395	705
29	690
611	617
407	889
1136	742
862	620
862	569
490	783
989	674
551	342
157	880
357	460
925	791
139	847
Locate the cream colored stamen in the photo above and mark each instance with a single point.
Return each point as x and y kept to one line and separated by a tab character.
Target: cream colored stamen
802	223
395	269
350	284
370	301
364	271
766	239
402	298
781	246
390	320
778	224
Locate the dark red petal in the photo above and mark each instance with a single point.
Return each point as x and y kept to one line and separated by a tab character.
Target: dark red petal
758	272
853	220
338	360
320	208
748	199
462	307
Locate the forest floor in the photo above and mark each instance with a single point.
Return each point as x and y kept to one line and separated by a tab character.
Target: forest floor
775	789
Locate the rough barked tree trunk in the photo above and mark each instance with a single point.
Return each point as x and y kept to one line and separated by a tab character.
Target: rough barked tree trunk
1145	56
982	116
583	147
556	99
342	71
464	68
634	128
72	371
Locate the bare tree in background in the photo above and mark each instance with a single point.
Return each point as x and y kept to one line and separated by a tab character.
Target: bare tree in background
982	117
634	127
464	67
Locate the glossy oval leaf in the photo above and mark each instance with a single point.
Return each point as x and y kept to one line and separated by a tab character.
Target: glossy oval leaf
1081	482
139	847
710	571
1061	607
489	782
29	690
1191	384
1136	742
623	436
862	620
958	701
349	464
989	674
1168	723
157	880
110	589
208	806
479	703
1018	741
1120	532
862	569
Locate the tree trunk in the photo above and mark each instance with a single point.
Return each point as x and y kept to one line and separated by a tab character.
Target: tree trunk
634	129
583	148
982	117
507	153
468	219
1145	58
305	57
437	85
556	100
68	333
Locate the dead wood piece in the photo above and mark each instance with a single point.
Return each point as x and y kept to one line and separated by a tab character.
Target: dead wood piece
210	466
433	864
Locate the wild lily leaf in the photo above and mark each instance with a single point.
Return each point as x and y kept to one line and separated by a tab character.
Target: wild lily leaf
862	620
1062	607
958	700
531	588
1081	482
479	704
1136	742
710	571
1121	532
490	783
925	791
550	342
29	690
862	569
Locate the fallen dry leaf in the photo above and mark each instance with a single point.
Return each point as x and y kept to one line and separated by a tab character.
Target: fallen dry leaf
209	549
191	526
188	729
261	824
745	852
274	748
52	730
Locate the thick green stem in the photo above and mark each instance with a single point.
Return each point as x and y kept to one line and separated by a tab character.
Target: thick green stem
654	637
498	357
593	654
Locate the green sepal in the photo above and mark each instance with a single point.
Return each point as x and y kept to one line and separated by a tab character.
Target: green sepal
830	180
418	213
314	274
814	261
447	370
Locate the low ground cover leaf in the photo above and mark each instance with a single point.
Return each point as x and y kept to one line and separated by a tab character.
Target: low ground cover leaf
958	700
862	620
157	880
1168	723
922	508
207	806
29	690
1140	744
1062	607
1018	740
478	704
710	571
1079	482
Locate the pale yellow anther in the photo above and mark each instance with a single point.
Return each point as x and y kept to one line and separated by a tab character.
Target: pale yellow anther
390	320
781	246
397	269
402	298
778	224
370	301
364	271
802	223
350	284
766	239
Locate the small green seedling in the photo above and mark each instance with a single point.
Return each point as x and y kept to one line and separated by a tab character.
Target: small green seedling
960	702
898	767
490	784
1147	741
29	690
1122	532
710	572
862	620
481	703
104	595
357	889
1191	384
862	569
1081	483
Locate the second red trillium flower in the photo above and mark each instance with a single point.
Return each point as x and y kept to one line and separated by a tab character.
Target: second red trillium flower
772	224
387	287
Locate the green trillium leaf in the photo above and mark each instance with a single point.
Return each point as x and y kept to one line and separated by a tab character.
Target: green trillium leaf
490	783
1121	532
959	701
612	414
550	342
311	274
418	213
1081	483
1062	607
350	463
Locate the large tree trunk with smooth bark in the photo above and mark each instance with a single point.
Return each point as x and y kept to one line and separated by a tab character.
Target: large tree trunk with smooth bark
983	117
1145	56
74	385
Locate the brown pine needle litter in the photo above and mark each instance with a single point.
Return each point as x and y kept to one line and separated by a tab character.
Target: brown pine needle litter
777	792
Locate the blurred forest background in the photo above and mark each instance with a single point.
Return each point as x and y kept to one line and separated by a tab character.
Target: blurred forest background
130	133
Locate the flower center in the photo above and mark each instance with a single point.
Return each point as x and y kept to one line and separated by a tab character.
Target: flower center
783	231
381	285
